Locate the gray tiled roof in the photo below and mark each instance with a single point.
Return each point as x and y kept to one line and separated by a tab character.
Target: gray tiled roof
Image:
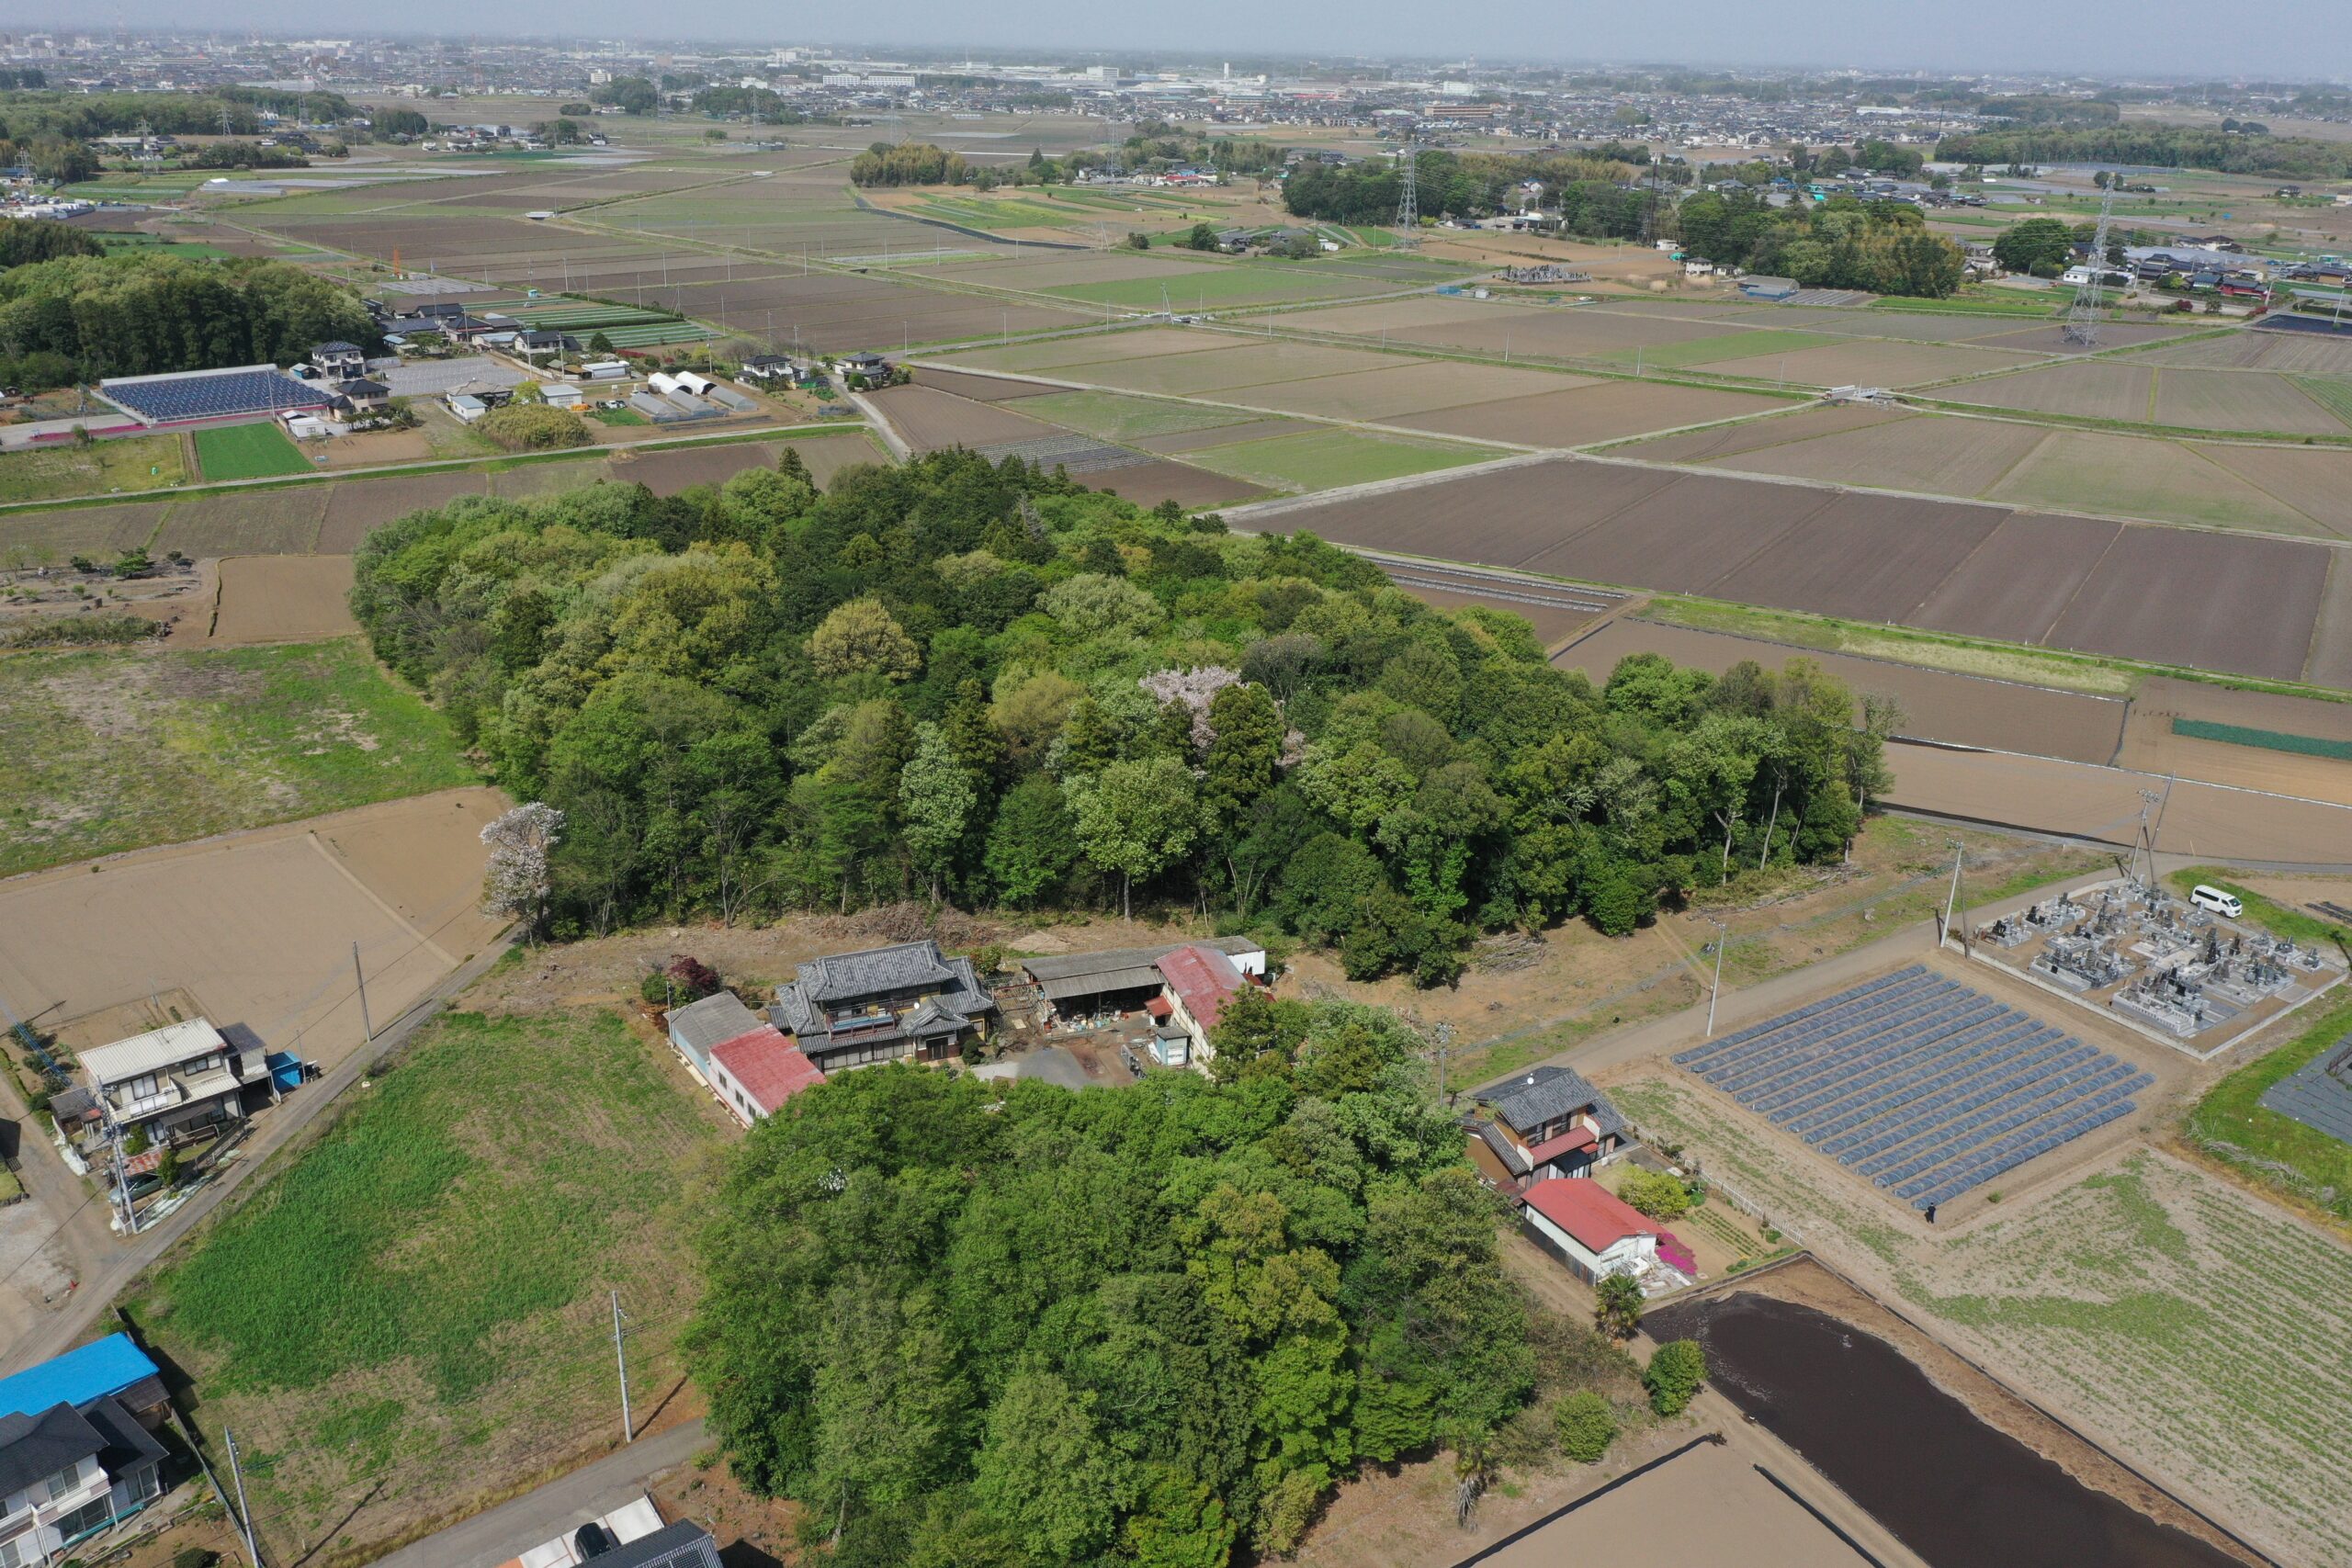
879	971
713	1020
35	1446
681	1545
1116	968
129	1445
1546	1094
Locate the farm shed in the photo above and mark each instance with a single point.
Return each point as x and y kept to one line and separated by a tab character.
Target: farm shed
1122	979
754	1074
1589	1228
696	1028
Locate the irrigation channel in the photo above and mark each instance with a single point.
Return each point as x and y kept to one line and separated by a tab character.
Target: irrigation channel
1955	1490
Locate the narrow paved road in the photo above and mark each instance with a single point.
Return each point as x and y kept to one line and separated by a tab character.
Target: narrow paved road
511	1528
276	1128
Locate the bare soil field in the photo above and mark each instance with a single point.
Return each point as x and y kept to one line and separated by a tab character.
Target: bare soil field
1552	332
357	507
1149	484
1697	531
258	925
1395	394
2331	662
1870	363
256	522
2020	578
931	419
668	472
2314	481
2150	745
1179	441
2300	354
50	538
266	599
2117	389
2168	595
868	314
1053	354
979	389
1052	270
1608	411
1241	373
1864	558
2238	400
1798	426
2051	338
531	480
1959	710
378	446
2083	801
1939	455
2131	476
2256	604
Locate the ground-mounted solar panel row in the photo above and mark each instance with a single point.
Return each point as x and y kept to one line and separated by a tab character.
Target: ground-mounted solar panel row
1919	1083
212	394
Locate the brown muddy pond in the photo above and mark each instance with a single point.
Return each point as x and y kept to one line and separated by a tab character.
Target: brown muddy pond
1958	1492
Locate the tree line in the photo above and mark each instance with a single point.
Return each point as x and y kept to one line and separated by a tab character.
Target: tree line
1017	1327
139	313
908	164
983	682
25	116
2157	145
1882	246
24	240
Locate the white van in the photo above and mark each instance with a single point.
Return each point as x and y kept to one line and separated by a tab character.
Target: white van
2225	905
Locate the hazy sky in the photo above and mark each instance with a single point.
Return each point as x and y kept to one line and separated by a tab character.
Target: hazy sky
2297	39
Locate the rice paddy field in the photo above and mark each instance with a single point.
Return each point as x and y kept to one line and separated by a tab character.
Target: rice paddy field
2188	1326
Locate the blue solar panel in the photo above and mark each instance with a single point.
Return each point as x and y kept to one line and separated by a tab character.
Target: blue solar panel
1921	1084
212	394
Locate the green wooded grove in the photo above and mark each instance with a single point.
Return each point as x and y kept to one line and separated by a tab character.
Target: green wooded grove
140	312
1012	1326
983	682
908	164
1882	246
2156	145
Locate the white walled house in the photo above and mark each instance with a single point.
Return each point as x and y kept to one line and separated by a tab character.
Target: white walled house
1589	1228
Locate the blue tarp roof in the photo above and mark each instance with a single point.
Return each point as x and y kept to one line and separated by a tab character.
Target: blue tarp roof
97	1370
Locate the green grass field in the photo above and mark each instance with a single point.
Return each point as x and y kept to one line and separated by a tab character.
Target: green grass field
2232	1123
419	1297
2333	393
248	452
58	473
1325	460
116	750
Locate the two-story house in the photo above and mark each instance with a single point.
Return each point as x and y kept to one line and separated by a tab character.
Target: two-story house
75	1457
339	361
178	1082
905	1000
1546	1123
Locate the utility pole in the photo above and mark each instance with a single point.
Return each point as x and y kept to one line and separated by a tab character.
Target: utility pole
620	1353
1952	902
1723	939
244	1514
367	1030
122	1182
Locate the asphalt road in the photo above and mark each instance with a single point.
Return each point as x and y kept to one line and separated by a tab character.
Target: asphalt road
512	1528
274	1129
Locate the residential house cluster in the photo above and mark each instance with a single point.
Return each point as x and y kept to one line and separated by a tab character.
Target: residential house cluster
78	1449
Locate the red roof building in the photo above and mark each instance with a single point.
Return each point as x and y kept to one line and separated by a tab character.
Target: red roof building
1200	980
1590	1229
756	1072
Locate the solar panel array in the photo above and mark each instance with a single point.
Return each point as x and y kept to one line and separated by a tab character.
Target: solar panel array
212	395
1922	1085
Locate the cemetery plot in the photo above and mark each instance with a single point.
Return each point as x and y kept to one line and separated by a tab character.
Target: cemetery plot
2177	974
1920	1085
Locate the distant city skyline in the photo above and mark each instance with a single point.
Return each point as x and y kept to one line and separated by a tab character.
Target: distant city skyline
2279	39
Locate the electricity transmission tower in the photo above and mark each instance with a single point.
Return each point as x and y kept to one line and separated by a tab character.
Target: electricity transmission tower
1408	205
2083	316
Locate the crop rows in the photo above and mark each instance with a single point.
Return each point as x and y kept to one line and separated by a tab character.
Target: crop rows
2199	1330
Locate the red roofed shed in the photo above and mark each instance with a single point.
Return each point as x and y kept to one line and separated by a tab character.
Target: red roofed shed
755	1073
1592	1228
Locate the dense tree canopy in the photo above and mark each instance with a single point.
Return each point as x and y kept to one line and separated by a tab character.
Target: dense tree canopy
213	112
1882	246
138	313
1016	1327
2156	145
908	164
24	240
981	681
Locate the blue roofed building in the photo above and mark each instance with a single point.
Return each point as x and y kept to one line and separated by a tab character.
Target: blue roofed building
104	1369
